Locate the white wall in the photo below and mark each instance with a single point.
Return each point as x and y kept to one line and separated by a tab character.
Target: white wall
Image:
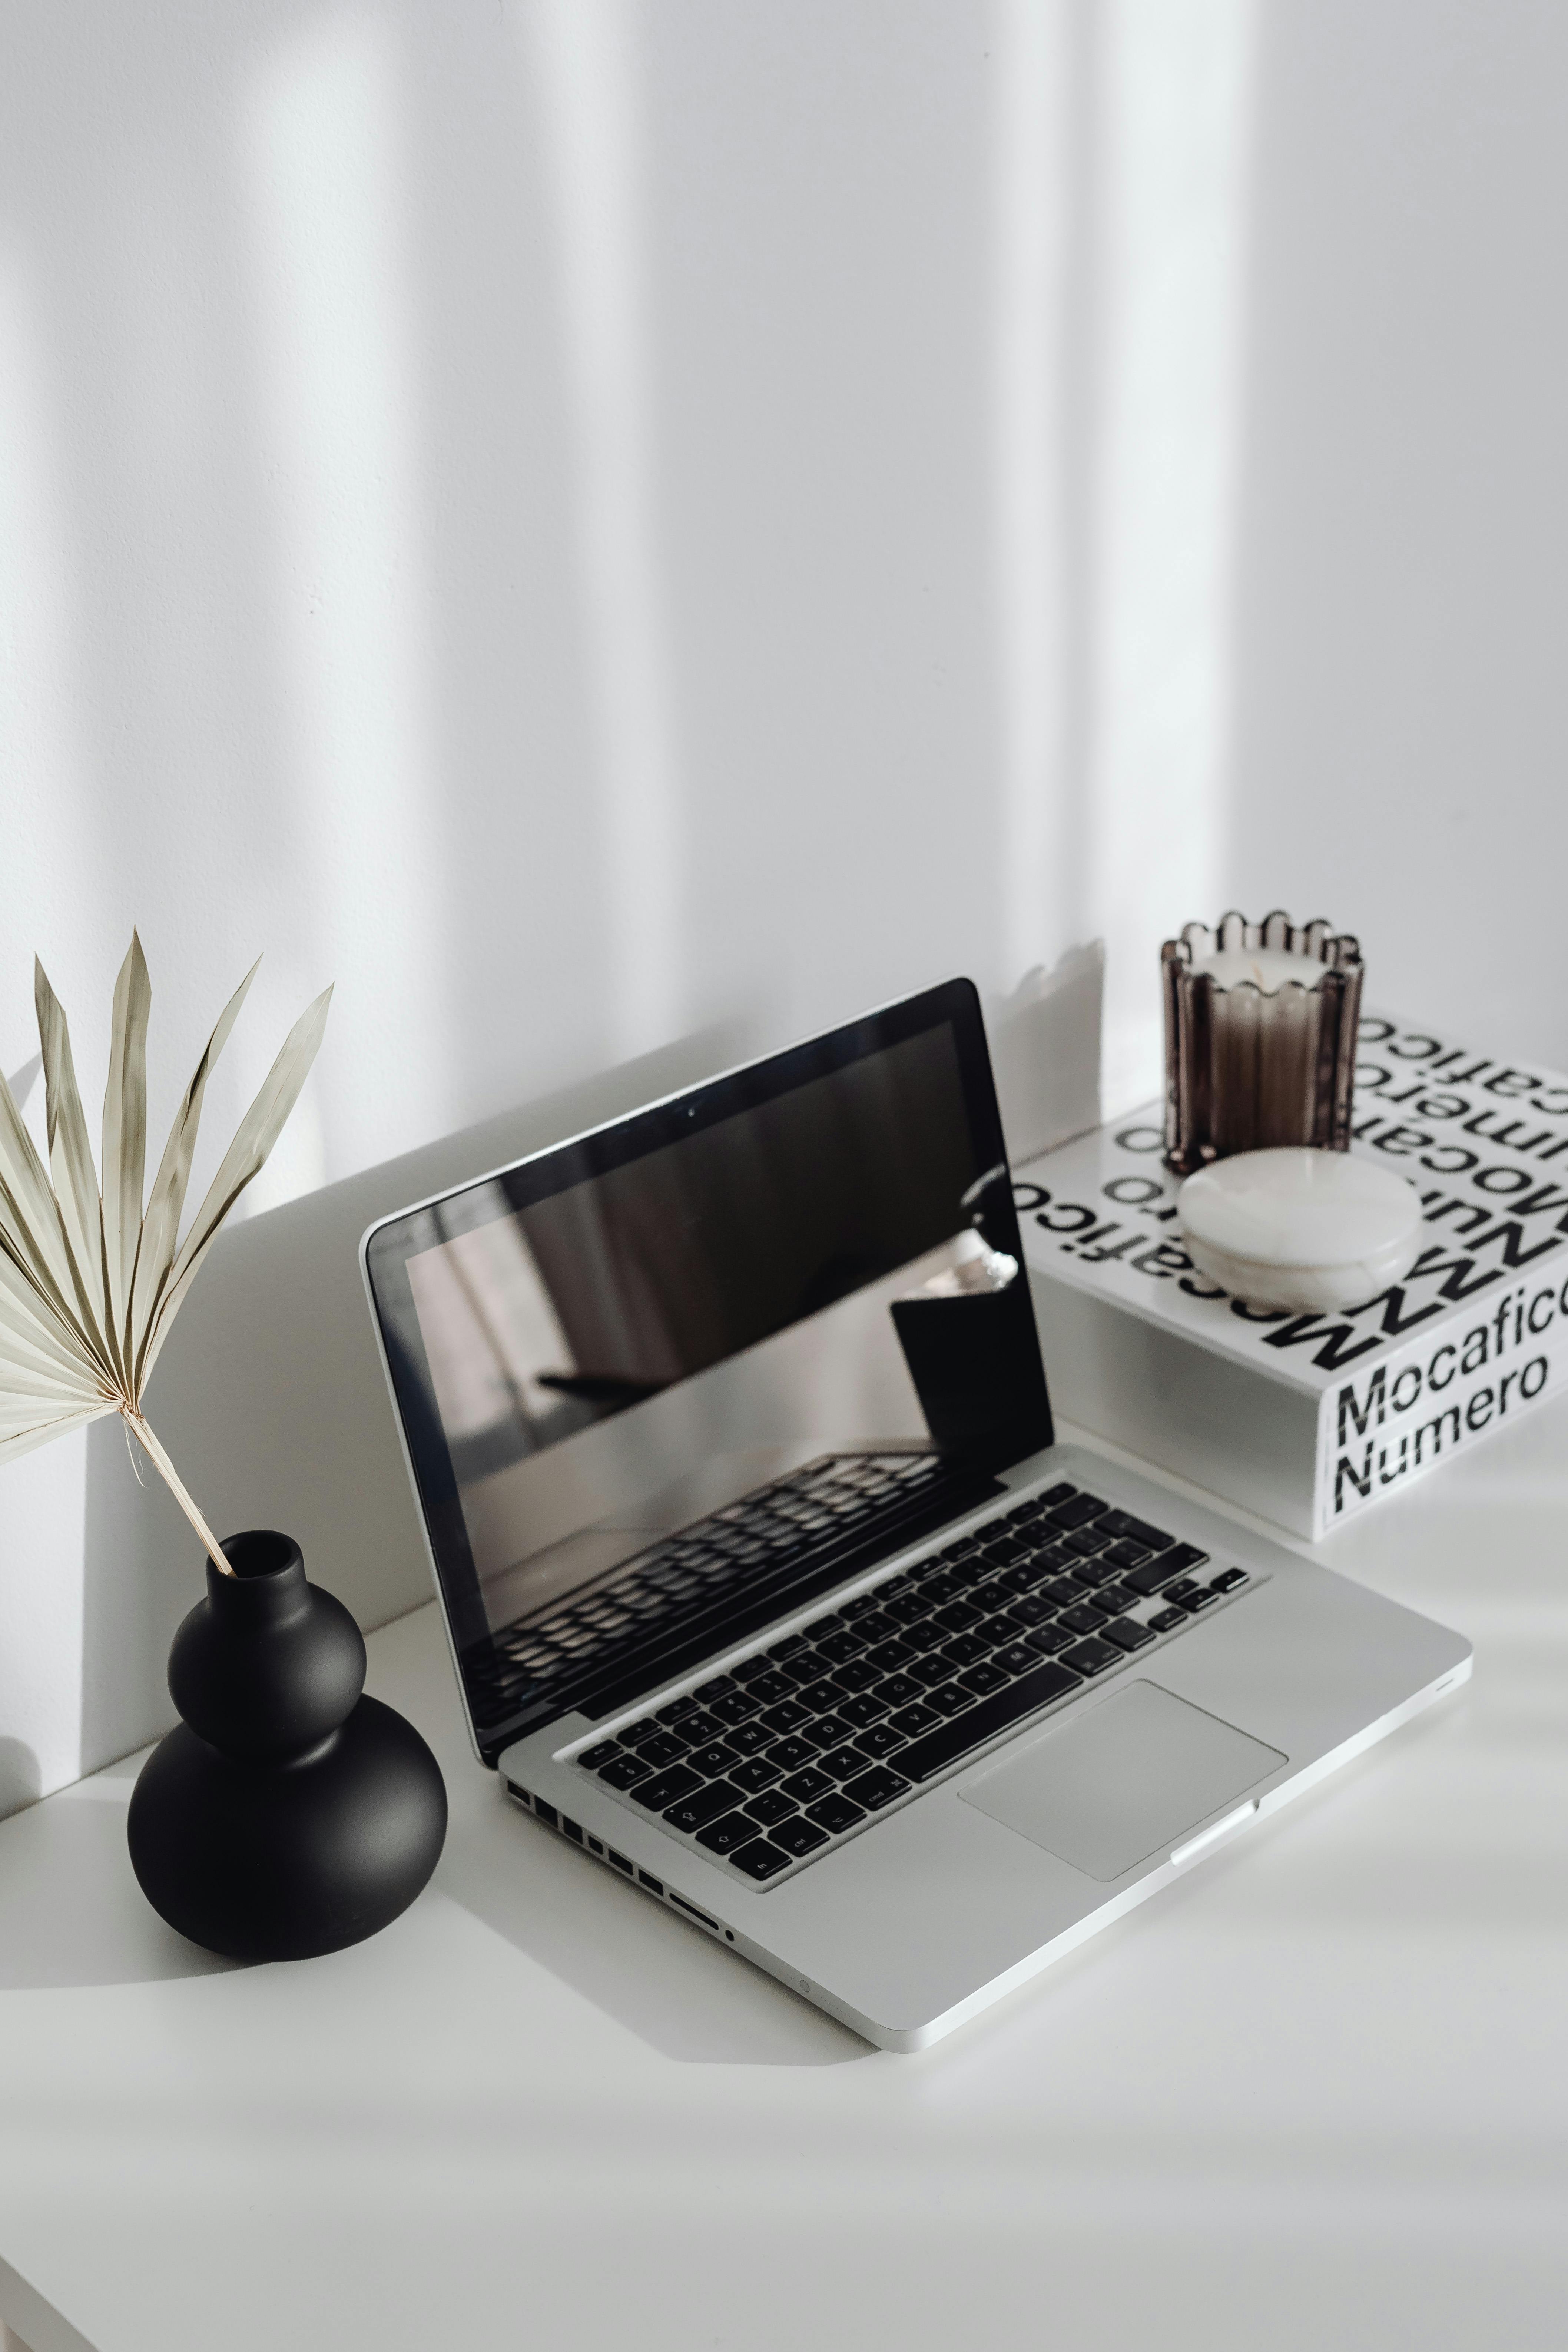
581	519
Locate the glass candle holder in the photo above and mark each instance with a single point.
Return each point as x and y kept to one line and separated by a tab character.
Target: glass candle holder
1260	1033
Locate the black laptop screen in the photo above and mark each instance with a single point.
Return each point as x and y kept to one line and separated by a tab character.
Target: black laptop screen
655	1377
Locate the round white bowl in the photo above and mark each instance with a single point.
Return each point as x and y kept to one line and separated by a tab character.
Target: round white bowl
1295	1227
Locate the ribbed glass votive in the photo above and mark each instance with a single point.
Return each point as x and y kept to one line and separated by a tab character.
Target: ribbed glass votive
1260	1032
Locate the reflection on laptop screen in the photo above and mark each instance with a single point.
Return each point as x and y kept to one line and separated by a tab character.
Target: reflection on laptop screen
686	1363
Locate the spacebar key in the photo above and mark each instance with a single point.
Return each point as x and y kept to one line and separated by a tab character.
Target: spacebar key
923	1756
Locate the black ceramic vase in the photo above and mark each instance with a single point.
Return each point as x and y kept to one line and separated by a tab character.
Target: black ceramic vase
287	1814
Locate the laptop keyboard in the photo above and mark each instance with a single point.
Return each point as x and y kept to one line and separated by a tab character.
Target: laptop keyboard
797	1746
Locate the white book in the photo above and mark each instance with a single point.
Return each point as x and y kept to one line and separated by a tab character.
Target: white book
1308	1418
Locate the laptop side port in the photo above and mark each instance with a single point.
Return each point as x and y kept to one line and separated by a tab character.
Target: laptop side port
694	1911
546	1813
654	1885
573	1829
620	1861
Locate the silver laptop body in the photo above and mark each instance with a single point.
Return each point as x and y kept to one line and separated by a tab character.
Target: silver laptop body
765	1582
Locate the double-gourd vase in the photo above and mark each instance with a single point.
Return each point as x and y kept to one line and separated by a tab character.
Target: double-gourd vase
287	1814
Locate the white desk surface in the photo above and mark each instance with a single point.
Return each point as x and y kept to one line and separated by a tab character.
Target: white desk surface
1313	2095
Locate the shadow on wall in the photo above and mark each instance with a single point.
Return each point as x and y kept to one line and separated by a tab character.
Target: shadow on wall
19	1778
270	1399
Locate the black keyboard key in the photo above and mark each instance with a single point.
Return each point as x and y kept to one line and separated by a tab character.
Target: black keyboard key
723	1836
888	1657
788	1716
1047	1640
974	1571
747	1737
958	1617
768	1687
1033	1609
1123	1522
1107	1603
799	1836
1155	1572
667	1788
1181	1590
1013	1581
750	1670
842	1762
840	1648
1061	1592
1126	1554
1226	1581
983	1680
1006	1549
695	1812
911	1721
1084	1542
1083	1619
1165	1620
1053	1560
759	1860
1203	1598
836	1814
706	1693
880	1741
1054	1496
806	1668
821	1694
827	1731
756	1772
1184	1557
678	1710
862	1710
600	1753
1077	1512
700	1726
636	1733
861	1606
736	1706
1016	1658
1122	1594
1126	1634
790	1647
876	1788
859	1674
950	1699
790	1754
965	1650
898	1690
880	1628
1091	1657
1090	1574
772	1806
807	1786
712	1759
906	1607
959	1548
926	1672
621	1772
984	1721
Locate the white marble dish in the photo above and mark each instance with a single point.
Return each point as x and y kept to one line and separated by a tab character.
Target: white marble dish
1295	1227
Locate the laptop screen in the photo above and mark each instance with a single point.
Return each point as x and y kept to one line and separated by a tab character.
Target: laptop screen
659	1382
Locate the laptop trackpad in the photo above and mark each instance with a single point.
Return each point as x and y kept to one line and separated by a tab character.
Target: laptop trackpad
1111	1787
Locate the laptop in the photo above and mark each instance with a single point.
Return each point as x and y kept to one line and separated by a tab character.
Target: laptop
766	1581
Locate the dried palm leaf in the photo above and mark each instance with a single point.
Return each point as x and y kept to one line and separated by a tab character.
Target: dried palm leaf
90	1282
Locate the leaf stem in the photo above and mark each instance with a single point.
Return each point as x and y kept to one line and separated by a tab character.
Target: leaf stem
171	1480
